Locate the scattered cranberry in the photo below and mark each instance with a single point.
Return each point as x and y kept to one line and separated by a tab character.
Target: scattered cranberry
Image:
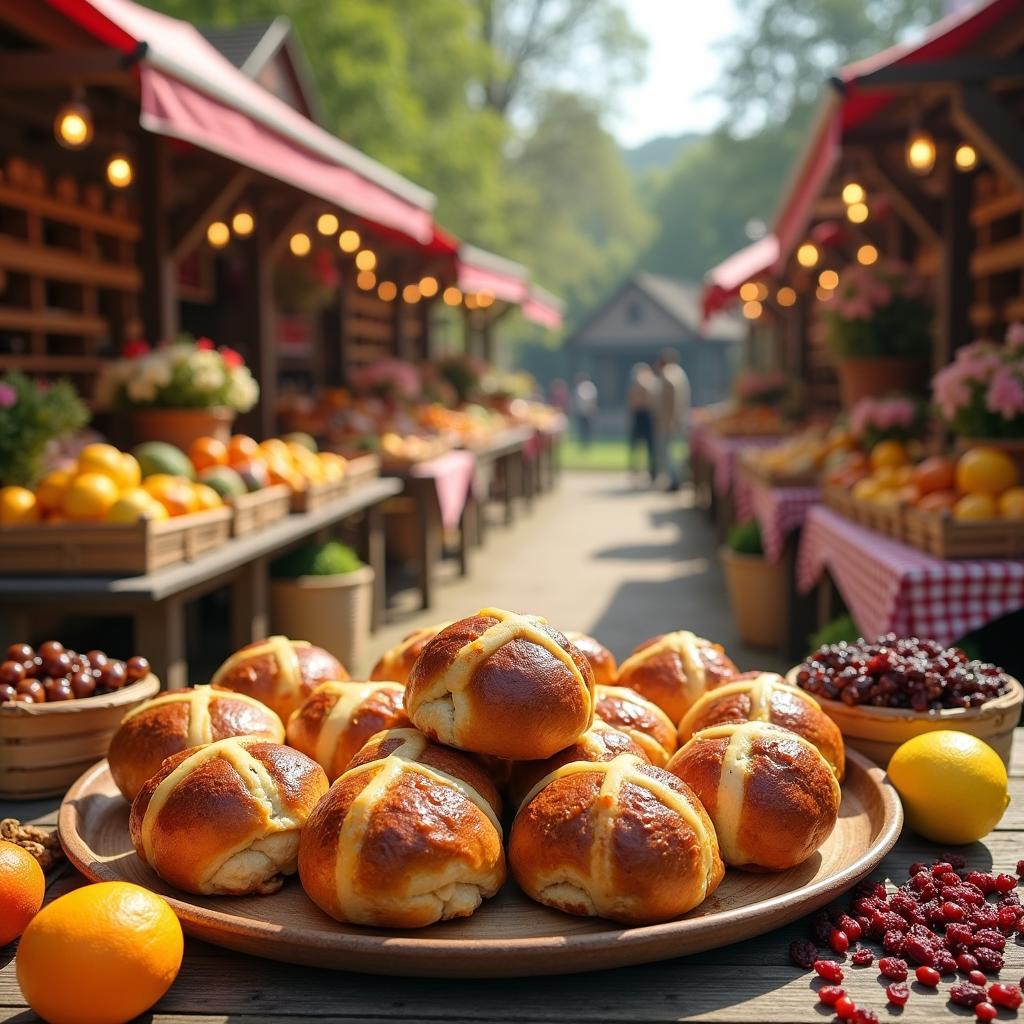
897	993
893	968
838	940
850	926
966	962
863	957
1020	868
990	939
985	1011
829	970
953	912
845	1008
919	951
1005	995
803	953
829	995
1006	883
863	1016
977	978
989	960
928	976
966	994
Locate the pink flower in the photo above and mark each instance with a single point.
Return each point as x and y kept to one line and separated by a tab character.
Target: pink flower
1015	337
1005	394
134	348
8	396
230	356
951	390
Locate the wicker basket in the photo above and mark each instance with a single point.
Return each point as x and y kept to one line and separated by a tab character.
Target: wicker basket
45	747
317	495
877	732
941	535
258	509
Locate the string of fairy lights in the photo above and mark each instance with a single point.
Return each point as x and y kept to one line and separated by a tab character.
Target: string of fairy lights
920	156
74	129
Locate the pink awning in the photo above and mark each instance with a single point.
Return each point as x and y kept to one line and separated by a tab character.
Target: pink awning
722	282
189	91
543	309
482	271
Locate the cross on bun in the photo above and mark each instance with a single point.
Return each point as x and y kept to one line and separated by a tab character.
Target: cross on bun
502	684
674	669
396	663
280	672
602	661
174	721
224	819
336	720
408	836
619	839
773	798
767	697
600	742
642	721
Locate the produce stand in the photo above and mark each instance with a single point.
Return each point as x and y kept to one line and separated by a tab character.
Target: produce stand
889	586
501	470
751	980
156	602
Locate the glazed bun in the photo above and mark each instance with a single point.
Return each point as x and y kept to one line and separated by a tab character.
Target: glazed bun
396	663
409	835
224	819
602	661
280	672
599	743
619	839
179	719
773	798
336	720
643	722
767	697
502	684
674	669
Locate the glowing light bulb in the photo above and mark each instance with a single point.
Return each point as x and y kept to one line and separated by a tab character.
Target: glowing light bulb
829	280
857	213
366	259
300	244
965	157
866	255
920	152
72	127
485	299
808	255
243	223
411	294
428	286
853	192
452	296
748	291
366	280
349	240
785	296
823	294
327	224
218	234
387	290
120	172
753	309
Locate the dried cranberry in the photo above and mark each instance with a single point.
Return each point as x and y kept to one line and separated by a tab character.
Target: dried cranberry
967	994
928	976
949	878
984	881
941	867
849	925
893	968
1006	883
864	1016
1006	995
894	942
845	1008
990	939
953	912
829	994
1020	868
977	978
959	933
919	951
863	957
944	962
803	953
984	917
897	993
838	940
829	970
966	962
985	1011
989	960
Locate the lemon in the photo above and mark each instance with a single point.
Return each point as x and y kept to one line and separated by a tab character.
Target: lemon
132	506
101	458
953	786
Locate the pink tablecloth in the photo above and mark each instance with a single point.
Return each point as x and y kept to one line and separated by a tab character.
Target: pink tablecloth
778	510
724	452
453	477
890	587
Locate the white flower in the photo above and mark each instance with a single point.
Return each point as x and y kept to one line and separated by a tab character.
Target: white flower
243	391
141	390
178	353
208	378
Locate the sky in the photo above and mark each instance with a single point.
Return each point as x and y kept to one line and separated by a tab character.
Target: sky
681	64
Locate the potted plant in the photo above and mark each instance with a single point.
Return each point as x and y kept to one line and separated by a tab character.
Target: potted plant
756	587
891	418
879	331
323	593
178	392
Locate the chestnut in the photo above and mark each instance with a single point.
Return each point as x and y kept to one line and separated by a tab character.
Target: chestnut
50	649
82	684
12	672
97	659
7	693
26	698
56	665
32	688
19	652
61	690
113	675
137	668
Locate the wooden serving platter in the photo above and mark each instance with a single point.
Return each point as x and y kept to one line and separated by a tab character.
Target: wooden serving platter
509	936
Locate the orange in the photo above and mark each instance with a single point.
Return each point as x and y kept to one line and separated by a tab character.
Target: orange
1011	503
937	501
206	496
985	471
50	493
175	493
275	450
18	505
90	496
888	453
910	494
131	472
241	447
866	489
935	474
206	452
101	458
22	886
101	954
975	506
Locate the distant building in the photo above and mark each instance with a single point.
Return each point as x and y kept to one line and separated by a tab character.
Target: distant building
647	314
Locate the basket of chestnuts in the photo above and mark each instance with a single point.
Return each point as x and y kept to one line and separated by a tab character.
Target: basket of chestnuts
58	711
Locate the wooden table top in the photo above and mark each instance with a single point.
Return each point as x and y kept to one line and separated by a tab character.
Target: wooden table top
748	981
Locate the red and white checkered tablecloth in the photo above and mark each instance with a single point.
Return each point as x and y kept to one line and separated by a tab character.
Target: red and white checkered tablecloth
890	587
778	510
724	452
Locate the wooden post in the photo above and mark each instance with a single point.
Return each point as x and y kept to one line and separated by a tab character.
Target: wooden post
159	301
266	326
953	327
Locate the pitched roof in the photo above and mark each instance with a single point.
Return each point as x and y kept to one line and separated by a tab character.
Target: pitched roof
237	42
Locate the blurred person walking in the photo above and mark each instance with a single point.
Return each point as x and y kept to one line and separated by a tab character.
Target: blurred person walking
642	397
584	402
559	395
672	412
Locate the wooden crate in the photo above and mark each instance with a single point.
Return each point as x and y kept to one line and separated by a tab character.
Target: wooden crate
360	469
758	473
316	496
885	519
838	499
45	747
108	549
258	509
941	535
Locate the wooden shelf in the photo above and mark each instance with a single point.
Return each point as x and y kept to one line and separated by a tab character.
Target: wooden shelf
995	209
64	265
998	257
68	213
51	364
54	321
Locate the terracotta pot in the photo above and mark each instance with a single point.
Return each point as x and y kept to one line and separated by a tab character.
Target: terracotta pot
332	612
757	597
180	427
875	376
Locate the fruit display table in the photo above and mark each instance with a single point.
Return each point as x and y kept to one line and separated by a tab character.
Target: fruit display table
748	981
889	586
779	511
501	463
156	602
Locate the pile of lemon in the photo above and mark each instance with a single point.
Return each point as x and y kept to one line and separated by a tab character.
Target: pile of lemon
104	485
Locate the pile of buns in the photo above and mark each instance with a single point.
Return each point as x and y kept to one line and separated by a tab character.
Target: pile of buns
628	790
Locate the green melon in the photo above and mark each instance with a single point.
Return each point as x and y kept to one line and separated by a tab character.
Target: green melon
159	457
224	480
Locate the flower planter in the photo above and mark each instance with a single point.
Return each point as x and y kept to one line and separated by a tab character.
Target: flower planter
180	427
880	375
757	597
332	612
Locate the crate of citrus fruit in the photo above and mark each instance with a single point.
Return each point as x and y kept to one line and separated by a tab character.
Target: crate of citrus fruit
112	513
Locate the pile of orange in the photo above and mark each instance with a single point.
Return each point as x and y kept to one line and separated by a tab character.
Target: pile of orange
274	461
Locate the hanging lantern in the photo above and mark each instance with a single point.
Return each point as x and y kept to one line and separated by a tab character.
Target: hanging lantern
72	126
920	152
965	157
120	173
